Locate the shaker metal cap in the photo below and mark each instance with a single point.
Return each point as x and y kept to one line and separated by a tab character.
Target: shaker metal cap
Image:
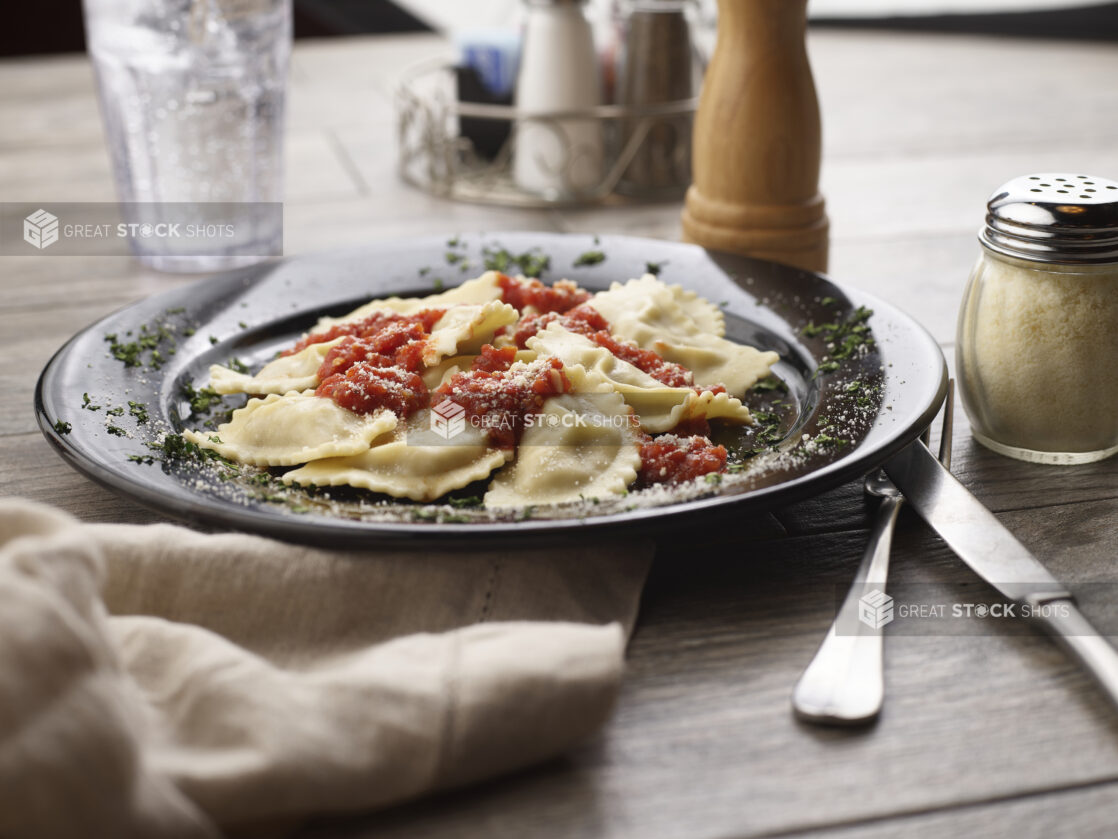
1054	218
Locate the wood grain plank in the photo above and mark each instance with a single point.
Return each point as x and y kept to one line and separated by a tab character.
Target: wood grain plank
886	94
1085	811
48	101
978	729
57	484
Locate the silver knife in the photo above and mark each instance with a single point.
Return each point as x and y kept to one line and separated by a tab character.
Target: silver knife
992	552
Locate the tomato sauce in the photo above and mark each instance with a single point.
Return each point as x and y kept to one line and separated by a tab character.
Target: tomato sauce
670	459
369	327
365	388
376	364
520	294
397	345
582	319
497	400
493	360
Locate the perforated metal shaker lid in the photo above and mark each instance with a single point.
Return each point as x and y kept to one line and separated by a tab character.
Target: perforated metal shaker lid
1054	218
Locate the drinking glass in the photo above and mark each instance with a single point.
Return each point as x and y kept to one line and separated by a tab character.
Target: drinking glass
192	97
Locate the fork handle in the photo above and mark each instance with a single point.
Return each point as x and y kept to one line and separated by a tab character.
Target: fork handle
844	684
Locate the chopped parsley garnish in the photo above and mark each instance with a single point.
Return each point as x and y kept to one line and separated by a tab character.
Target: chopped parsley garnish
202	399
237	365
589	258
770	383
828	301
843	340
452	257
116	430
467	501
213	339
531	263
654	268
145	459
713	478
63	427
437	284
150	340
87	403
177	447
114	412
138	411
498	260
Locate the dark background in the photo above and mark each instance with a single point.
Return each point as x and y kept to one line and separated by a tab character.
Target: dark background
53	26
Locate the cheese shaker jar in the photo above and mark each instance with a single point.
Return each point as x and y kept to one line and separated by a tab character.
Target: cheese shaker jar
1037	341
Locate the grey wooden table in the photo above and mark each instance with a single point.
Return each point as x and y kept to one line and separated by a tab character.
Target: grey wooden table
994	735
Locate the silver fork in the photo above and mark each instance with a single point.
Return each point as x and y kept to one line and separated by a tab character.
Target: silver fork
845	684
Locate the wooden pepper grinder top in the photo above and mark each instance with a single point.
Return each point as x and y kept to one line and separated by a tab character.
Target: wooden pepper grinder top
755	152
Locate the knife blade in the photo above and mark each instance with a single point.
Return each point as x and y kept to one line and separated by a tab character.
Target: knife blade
995	554
972	531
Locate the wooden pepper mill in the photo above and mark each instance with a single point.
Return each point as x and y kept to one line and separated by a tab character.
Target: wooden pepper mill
755	152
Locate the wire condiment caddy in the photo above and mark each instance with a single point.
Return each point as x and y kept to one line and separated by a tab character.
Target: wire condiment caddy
436	155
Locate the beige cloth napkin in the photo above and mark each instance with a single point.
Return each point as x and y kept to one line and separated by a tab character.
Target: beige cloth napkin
159	682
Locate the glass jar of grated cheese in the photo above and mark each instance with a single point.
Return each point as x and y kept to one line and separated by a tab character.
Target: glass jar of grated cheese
1037	343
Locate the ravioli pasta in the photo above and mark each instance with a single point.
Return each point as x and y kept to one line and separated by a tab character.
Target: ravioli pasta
293	428
298	371
660	408
465	329
561	459
657	318
434	397
403	466
483	289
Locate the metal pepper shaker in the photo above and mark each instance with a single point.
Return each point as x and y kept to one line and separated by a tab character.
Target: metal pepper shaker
658	67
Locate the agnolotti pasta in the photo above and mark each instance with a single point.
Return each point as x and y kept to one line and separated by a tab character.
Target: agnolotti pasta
439	398
650	313
409	463
293	428
291	372
561	458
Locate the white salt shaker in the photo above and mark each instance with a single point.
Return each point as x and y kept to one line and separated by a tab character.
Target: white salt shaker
557	153
1038	330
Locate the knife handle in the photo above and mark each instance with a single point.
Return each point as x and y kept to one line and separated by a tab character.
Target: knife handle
1076	635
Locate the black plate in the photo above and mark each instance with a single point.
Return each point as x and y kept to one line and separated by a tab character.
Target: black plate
251	313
